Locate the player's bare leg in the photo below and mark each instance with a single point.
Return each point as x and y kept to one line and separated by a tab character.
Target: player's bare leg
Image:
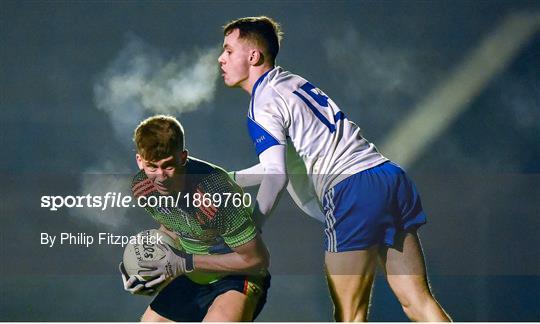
151	316
232	306
406	274
350	278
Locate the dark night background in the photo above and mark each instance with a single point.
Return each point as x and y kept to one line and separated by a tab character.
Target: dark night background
65	129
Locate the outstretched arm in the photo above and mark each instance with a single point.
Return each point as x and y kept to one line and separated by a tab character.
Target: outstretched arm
249	177
273	182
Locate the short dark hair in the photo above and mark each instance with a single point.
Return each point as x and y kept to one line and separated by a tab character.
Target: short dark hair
159	137
263	30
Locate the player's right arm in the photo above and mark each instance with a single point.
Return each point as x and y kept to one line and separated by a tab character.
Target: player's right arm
273	183
251	176
271	175
267	126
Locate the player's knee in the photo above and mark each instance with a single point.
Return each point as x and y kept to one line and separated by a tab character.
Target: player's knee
352	314
351	297
219	313
231	306
415	304
351	308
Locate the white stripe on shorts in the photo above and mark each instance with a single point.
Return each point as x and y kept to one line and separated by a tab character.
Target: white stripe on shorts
330	221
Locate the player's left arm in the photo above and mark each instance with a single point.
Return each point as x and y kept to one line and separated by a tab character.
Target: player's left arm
249	253
252	256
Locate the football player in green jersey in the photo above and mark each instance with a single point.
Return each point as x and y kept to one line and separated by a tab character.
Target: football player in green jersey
218	270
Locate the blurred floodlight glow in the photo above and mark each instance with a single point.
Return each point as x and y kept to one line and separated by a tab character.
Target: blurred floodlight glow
437	111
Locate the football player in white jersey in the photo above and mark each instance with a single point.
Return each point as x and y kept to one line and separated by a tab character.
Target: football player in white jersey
371	208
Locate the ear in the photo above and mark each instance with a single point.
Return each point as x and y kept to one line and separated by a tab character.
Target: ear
256	57
183	157
140	162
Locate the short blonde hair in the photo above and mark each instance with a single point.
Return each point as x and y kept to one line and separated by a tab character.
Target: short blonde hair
159	137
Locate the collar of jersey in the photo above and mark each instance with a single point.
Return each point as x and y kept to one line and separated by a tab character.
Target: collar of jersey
259	80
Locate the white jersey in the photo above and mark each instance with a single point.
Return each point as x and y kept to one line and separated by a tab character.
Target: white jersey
286	109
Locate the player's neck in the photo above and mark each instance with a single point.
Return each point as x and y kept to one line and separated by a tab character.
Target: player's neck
255	73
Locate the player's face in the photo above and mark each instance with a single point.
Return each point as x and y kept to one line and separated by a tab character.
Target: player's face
234	60
165	173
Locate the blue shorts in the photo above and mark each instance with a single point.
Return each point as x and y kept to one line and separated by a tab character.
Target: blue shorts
370	208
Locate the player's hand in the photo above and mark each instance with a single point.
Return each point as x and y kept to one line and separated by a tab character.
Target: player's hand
132	284
174	264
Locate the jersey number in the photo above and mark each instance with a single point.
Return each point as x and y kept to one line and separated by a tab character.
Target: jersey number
322	100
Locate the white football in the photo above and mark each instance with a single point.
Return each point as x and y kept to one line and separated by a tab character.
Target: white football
144	249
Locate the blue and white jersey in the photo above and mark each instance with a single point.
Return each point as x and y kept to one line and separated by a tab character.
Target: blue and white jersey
286	109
